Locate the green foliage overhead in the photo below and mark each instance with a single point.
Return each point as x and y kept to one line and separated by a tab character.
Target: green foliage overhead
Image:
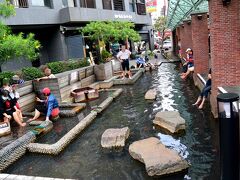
111	31
14	46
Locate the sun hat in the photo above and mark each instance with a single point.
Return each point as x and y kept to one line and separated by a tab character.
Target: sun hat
188	49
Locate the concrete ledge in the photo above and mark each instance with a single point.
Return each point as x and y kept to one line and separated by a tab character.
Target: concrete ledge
135	77
22	177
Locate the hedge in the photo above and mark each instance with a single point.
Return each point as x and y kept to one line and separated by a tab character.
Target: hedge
30	73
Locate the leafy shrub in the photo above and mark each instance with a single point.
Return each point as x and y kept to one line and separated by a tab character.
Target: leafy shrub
105	55
30	73
6	74
75	64
57	67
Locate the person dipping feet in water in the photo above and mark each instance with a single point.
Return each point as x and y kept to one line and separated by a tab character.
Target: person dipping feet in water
9	110
48	107
204	94
123	57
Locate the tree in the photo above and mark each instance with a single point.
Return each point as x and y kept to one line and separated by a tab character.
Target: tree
111	31
161	24
15	46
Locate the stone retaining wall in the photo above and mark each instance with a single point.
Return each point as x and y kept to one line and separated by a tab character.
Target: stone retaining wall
67	81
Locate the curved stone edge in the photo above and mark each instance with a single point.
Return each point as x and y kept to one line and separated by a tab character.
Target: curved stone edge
15	150
57	147
129	81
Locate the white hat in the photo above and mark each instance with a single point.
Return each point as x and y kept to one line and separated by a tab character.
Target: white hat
188	49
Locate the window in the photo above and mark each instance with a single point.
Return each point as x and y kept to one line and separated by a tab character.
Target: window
20	3
107	4
131	6
118	5
69	3
46	3
87	3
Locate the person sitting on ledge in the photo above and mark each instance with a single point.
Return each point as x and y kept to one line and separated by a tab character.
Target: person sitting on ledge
48	107
8	109
48	74
189	65
140	62
204	94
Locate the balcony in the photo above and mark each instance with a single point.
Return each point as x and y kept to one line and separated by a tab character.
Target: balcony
141	8
20	3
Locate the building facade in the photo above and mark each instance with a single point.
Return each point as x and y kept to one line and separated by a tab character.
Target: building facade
56	24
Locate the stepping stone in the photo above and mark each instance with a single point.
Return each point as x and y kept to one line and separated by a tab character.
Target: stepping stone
158	159
170	120
35	123
151	94
114	137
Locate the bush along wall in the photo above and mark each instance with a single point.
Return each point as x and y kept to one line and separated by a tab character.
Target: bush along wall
31	73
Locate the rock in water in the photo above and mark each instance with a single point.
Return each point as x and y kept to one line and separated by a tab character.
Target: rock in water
158	159
170	120
151	94
114	137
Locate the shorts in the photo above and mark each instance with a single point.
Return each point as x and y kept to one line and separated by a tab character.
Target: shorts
10	112
125	65
41	107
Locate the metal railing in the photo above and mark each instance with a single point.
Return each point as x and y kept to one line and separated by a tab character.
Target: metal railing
20	3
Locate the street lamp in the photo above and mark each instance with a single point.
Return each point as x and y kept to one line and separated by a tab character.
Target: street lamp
228	114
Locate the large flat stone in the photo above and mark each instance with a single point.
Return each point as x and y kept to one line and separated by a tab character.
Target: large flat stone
151	94
158	159
170	120
114	137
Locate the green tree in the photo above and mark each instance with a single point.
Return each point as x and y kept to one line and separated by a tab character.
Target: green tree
15	46
110	31
161	24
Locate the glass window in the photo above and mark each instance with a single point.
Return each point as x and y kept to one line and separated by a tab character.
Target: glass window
107	4
118	5
41	3
87	3
69	3
131	7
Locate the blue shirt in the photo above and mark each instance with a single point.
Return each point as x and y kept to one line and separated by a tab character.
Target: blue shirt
52	103
140	61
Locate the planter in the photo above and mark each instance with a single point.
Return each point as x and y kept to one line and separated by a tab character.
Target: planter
103	71
84	94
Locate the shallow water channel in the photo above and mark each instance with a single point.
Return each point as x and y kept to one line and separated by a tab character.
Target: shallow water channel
85	159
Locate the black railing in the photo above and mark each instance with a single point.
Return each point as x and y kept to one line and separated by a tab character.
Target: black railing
141	8
20	3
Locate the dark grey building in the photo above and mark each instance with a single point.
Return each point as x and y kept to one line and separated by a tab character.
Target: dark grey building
56	24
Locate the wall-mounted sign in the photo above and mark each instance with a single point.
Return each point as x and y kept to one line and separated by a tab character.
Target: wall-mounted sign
151	6
123	16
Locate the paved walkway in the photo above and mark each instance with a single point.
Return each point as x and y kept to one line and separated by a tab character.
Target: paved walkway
21	177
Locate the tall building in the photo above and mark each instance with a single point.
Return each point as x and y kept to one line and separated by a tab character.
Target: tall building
56	24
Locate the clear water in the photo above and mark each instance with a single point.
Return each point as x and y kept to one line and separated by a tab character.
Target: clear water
85	159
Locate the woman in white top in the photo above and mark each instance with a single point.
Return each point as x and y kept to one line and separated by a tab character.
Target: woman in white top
123	56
